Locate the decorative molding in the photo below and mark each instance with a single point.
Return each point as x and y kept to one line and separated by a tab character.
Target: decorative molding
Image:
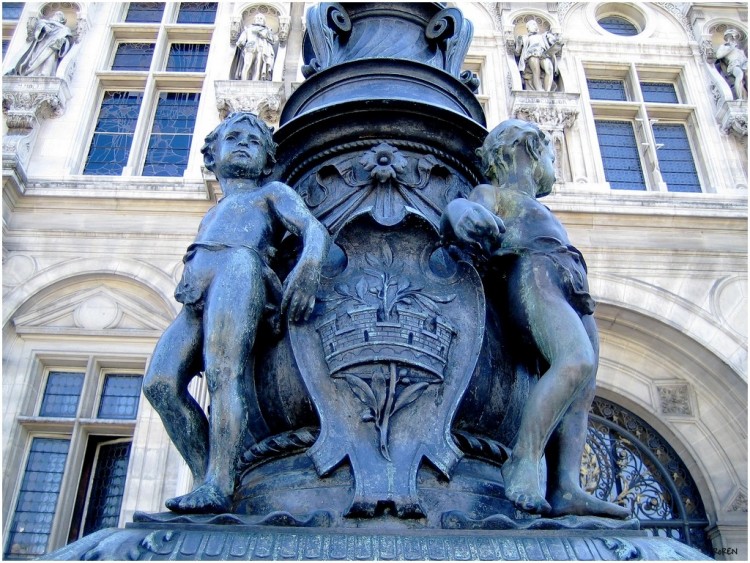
739	503
674	9
266	99
552	111
674	399
732	117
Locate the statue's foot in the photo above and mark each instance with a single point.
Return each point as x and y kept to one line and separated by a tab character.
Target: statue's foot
578	503
522	486
206	499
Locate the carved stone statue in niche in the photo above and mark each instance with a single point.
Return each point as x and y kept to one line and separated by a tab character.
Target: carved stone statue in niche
549	302
50	41
255	53
732	62
226	289
538	53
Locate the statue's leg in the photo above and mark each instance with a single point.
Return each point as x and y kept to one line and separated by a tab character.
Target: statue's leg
233	308
536	72
561	339
565	449
176	360
549	74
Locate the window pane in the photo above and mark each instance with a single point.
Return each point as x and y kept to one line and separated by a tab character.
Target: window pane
133	56
172	133
12	10
607	90
113	135
660	92
37	499
197	12
61	394
120	396
675	158
618	26
6	42
187	57
107	487
622	165
145	12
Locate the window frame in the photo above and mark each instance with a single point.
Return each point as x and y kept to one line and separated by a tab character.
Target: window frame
644	114
76	430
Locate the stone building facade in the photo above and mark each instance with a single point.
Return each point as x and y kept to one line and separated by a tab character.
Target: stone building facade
103	189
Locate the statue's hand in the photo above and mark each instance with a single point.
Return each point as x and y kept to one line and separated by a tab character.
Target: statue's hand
299	290
478	226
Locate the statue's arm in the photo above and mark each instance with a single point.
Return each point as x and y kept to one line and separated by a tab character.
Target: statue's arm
302	282
472	221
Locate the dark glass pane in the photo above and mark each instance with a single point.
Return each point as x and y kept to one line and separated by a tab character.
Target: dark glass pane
113	135
660	92
61	394
187	57
626	461
171	135
197	12
12	10
6	42
607	90
107	487
145	12
133	56
37	499
675	158
622	164
618	26
120	396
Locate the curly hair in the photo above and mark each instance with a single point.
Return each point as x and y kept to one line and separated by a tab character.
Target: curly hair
266	136
499	148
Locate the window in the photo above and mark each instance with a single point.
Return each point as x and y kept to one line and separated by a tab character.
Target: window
145	12
133	56
12	11
113	135
169	144
146	118
197	12
187	57
641	123
607	90
618	25
61	394
37	499
81	433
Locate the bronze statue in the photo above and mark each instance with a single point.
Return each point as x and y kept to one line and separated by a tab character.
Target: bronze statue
225	287
548	300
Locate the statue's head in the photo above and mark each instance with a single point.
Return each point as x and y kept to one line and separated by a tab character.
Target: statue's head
732	34
59	16
241	146
532	26
260	19
500	154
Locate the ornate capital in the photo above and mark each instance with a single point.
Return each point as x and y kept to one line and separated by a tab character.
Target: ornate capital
265	99
732	117
27	98
552	111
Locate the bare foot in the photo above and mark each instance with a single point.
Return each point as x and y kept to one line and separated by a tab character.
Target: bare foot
206	499
522	486
577	502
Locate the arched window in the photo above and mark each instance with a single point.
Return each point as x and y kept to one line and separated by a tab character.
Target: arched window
627	462
618	25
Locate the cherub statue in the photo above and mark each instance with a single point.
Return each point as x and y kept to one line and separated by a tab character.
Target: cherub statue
225	286
549	302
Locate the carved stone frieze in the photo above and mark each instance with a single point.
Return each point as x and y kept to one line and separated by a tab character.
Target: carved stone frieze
552	111
732	117
739	504
266	99
674	399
